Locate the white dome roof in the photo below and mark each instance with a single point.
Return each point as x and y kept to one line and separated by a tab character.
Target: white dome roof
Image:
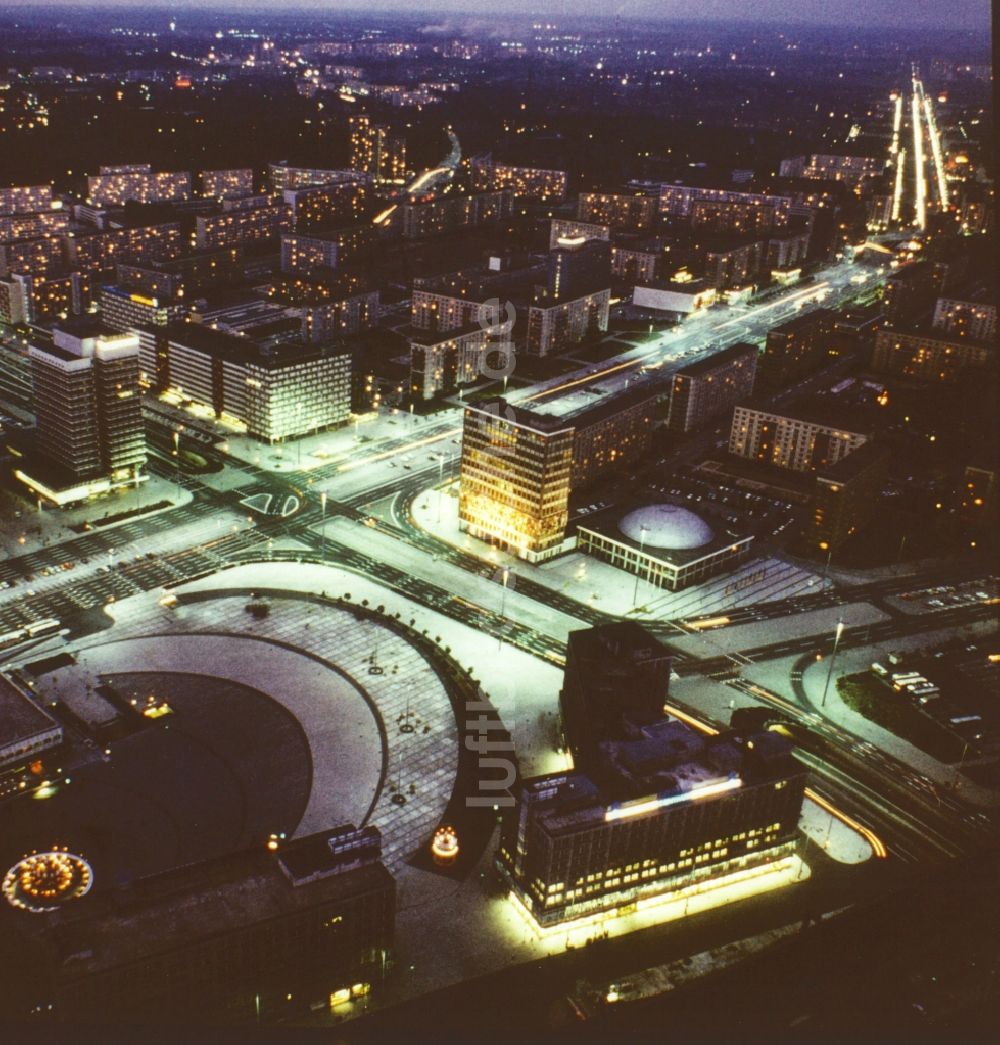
666	526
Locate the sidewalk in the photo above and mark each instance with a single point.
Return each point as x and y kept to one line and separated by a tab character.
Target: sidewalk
776	676
604	587
26	528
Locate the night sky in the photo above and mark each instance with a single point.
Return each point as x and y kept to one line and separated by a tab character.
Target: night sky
957	14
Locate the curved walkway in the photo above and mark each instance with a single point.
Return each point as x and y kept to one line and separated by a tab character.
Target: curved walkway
379	722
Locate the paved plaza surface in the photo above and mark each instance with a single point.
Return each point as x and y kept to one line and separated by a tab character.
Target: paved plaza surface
607	588
226	768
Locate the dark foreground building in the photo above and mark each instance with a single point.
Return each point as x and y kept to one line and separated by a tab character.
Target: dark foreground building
656	810
251	936
678	813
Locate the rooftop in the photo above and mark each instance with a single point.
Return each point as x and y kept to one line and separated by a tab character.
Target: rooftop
666	526
112	926
20	717
728	355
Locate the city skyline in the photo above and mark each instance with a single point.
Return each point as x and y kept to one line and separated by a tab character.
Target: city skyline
498	523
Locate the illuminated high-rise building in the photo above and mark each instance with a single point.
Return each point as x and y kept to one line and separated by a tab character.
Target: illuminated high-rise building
90	434
515	478
376	150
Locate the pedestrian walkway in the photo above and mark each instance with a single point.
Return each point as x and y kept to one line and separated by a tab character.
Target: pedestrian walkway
380	726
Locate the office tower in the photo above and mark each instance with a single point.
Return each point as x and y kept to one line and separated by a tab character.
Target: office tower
276	386
90	433
676	814
612	671
515	478
706	389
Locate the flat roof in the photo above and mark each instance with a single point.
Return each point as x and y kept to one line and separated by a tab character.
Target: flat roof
112	926
20	717
221	344
705	366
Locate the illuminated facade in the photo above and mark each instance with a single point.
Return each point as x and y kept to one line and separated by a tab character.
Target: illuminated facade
708	388
682	201
32	257
972	319
127	310
664	544
32	226
673	810
799	443
554	325
243	225
441	362
227	184
25	199
89	414
527	183
568	229
433	217
302	252
30	299
619	210
139	183
280	176
515	479
929	355
275	390
376	150
98	253
317	206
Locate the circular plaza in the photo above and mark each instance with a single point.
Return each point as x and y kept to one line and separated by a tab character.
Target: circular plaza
232	715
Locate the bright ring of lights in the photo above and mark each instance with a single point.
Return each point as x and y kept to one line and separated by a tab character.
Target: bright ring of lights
45	881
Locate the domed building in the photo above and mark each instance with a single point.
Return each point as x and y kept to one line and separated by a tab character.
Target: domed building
666	544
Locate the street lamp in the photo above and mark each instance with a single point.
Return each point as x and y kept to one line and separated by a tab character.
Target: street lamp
322	505
503	603
177	461
643	530
833	657
440	458
828	548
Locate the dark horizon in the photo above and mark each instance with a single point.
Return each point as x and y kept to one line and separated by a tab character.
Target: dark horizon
964	16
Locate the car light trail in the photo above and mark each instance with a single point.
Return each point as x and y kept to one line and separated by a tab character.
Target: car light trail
932	133
897	121
878	846
920	184
897	192
690	720
415	445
